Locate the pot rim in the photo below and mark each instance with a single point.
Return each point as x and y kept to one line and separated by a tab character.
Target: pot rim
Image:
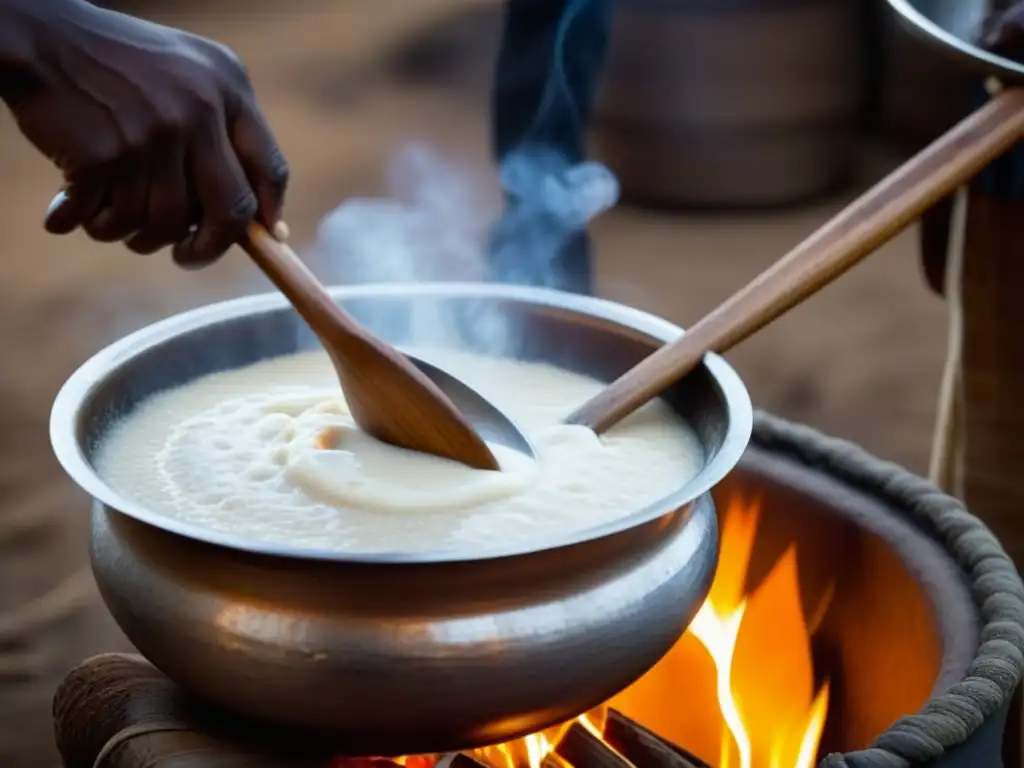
91	376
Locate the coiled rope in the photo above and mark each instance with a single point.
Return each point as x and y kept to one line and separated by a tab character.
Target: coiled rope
951	717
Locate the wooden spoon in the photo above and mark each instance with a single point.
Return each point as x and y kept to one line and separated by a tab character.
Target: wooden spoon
863	226
388	396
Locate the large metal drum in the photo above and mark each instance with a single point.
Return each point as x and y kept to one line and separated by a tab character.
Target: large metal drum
731	102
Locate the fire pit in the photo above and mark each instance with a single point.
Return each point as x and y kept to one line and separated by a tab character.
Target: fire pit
857	613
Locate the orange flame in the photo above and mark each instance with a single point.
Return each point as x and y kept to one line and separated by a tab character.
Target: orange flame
761	666
760	672
531	751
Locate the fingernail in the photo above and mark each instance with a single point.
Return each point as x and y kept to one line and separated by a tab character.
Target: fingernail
281	231
55	204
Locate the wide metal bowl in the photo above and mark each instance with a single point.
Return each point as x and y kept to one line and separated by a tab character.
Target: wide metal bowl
404	652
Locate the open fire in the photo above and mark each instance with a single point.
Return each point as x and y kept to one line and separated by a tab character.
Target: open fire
747	650
759	645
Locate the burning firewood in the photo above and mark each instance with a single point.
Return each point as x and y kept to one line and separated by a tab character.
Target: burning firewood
554	760
643	748
118	711
582	747
458	760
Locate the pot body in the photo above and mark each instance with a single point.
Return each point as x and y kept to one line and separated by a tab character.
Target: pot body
405	652
731	103
400	658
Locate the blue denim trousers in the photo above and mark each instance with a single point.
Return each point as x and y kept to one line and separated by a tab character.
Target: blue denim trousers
545	82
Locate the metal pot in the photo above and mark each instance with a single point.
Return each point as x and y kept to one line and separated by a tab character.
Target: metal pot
404	653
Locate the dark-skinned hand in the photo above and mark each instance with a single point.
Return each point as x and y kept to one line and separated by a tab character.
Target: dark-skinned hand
156	130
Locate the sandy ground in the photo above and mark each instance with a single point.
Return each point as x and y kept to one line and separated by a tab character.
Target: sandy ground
861	360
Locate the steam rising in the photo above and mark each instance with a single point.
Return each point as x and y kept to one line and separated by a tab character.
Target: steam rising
433	228
428	230
433	225
549	203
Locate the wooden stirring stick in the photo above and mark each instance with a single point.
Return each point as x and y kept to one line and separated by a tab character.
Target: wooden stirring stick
388	396
864	225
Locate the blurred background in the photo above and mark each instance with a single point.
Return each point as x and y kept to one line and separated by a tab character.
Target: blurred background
734	134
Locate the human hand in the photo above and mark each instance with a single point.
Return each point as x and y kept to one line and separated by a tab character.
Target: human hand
156	131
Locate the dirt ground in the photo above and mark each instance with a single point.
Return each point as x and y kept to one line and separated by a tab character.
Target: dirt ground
862	360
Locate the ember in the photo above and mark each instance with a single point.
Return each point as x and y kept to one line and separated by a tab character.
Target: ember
748	650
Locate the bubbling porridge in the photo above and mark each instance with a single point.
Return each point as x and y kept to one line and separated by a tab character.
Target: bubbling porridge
269	452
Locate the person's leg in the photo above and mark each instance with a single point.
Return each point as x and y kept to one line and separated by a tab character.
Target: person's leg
546	79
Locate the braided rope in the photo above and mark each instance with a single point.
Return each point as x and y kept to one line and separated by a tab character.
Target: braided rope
948	719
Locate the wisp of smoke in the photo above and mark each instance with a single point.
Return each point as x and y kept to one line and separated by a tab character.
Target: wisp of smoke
432	227
550	201
427	230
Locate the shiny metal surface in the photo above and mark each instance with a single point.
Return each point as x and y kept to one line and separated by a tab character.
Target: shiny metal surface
404	652
487	419
952	26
